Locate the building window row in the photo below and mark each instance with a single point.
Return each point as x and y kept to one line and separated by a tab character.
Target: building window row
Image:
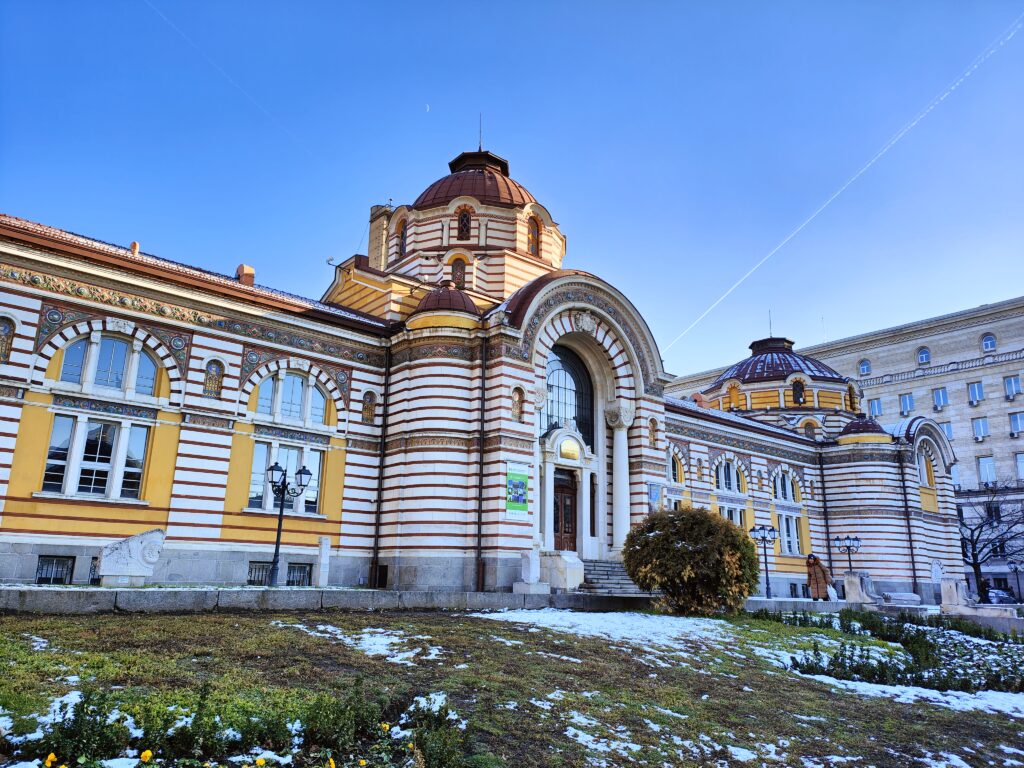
924	354
940	396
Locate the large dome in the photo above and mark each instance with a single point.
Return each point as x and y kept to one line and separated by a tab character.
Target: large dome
481	175
773	359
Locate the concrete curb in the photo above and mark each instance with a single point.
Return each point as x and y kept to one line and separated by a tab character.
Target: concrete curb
94	600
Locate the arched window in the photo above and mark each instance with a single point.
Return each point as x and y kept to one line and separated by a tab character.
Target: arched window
675	468
533	236
114	364
317	405
6	338
465	224
518	398
403	239
145	377
925	472
924	356
865	367
652	433
854	400
570	394
988	343
798	392
809	430
784	489
727	478
734	397
293	397
459	273
213	380
369	413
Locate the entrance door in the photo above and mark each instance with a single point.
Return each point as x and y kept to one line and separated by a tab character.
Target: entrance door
565	510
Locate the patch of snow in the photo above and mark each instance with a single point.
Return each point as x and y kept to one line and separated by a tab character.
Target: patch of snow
546	705
120	762
38	643
371	641
742	754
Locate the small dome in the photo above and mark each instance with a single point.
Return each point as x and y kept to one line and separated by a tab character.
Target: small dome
773	359
481	175
863	425
446	297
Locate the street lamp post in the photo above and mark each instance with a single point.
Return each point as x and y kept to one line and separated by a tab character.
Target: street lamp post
283	491
849	545
765	534
1015	569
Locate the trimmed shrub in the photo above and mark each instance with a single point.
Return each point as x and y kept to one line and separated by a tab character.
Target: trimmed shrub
699	561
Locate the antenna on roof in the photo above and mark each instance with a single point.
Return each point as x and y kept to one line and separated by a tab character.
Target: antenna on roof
769	322
481	147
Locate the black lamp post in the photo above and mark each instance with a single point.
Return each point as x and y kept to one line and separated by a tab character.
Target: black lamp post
282	491
765	534
849	545
1015	569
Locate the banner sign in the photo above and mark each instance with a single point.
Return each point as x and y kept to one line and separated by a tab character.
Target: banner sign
517	481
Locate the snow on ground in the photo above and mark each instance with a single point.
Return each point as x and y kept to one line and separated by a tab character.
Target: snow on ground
676	633
389	643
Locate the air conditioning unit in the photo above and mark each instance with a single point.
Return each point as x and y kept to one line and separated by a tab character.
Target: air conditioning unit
904	413
1015	435
1011	398
973	403
957	487
937	408
979	438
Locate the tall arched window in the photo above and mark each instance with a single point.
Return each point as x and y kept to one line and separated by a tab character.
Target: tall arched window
213	381
292	396
675	468
854	400
518	399
465	224
799	395
727	478
865	367
369	413
783	488
403	239
925	472
809	431
459	273
652	433
6	338
145	376
121	363
533	236
924	356
570	394
988	343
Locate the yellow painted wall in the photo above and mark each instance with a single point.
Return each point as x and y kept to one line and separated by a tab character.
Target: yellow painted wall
830	399
764	400
929	500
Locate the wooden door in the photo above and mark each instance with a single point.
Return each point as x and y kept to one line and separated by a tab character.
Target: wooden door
565	511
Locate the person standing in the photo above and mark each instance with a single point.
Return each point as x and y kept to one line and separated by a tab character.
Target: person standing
818	579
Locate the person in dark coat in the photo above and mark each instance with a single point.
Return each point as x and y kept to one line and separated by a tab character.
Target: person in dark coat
818	579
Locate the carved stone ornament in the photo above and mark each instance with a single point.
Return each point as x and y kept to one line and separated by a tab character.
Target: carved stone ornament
130	562
619	413
585	322
120	326
540	396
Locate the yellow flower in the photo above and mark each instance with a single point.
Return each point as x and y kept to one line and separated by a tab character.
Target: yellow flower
362	762
410	745
50	760
330	762
260	762
146	756
385	727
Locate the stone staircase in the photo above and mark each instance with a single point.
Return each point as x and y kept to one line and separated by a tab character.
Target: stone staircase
608	577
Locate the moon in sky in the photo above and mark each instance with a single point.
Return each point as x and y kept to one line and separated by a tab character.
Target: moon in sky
428	107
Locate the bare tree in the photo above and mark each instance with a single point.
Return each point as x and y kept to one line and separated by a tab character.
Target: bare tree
991	528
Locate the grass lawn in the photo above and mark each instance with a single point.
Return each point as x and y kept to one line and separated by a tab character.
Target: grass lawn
527	695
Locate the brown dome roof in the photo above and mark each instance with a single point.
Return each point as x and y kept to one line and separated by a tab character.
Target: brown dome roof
863	425
447	298
481	175
773	359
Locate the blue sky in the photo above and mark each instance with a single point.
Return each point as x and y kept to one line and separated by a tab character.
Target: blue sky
675	143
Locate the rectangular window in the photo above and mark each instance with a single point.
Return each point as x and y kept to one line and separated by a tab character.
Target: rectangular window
940	397
947	428
874	407
1020	466
57	456
907	402
291	396
980	427
954	475
789	534
97	458
54	570
734	515
314	463
134	462
1011	386
300	575
113	355
259	573
993	512
986	469
975	391
258	478
1017	422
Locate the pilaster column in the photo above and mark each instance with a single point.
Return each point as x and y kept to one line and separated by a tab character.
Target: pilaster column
91	362
132	368
548	516
584	511
619	415
278	394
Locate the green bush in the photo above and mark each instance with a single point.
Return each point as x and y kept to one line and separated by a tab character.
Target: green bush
699	561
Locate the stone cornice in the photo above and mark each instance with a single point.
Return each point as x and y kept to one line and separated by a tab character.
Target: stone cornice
940	370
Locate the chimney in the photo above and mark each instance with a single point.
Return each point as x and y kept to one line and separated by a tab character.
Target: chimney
245	274
377	245
135	247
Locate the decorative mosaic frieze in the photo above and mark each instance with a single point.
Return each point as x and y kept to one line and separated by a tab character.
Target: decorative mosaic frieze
432	349
311	343
853	457
293	435
750	446
123	410
507	441
13	393
204	420
430	441
358	444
